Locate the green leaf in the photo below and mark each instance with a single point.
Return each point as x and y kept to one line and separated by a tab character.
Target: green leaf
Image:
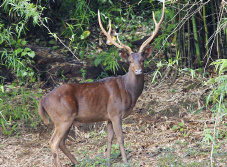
85	34
27	50
89	80
24	73
97	61
37	40
31	54
181	124
19	50
55	47
199	110
23	43
209	138
174	127
24	54
52	42
2	88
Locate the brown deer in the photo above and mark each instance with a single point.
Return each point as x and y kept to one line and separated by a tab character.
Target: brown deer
110	99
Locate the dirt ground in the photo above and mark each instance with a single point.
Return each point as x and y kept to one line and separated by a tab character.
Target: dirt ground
166	129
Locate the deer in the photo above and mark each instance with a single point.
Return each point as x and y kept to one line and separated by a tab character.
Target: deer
110	99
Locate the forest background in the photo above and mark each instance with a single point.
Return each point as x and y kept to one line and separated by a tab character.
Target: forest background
45	43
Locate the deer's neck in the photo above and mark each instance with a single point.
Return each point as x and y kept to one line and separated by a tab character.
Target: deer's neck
134	84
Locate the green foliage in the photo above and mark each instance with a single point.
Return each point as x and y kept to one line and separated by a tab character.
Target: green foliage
219	83
193	72
83	72
24	9
17	104
165	64
85	34
14	54
157	71
19	60
217	97
109	60
181	128
76	28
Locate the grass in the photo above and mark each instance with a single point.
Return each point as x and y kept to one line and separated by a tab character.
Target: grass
18	108
184	154
89	158
172	157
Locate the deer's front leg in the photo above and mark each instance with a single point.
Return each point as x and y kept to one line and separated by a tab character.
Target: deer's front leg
110	133
117	126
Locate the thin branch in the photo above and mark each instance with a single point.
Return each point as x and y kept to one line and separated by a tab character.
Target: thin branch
214	35
59	40
3	4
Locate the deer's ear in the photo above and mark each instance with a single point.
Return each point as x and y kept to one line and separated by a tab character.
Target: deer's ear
123	54
147	52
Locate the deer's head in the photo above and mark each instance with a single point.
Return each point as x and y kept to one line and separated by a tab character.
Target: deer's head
136	60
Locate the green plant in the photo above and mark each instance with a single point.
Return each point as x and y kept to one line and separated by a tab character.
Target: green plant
63	76
169	159
14	54
193	72
170	64
19	60
217	99
83	72
18	104
109	60
157	72
180	127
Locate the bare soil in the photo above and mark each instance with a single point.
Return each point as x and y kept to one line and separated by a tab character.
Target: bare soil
166	129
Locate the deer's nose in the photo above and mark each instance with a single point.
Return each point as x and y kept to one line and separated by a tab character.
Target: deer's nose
138	71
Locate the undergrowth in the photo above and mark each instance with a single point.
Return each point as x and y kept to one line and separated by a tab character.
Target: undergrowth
18	107
218	102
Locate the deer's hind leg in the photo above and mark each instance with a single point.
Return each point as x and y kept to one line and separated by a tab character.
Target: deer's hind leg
60	133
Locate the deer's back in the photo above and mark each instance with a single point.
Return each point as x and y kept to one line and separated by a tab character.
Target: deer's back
88	102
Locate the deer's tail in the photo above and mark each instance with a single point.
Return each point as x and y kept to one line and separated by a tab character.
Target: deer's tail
42	112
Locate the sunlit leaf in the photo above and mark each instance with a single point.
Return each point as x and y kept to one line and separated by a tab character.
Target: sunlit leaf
85	34
31	54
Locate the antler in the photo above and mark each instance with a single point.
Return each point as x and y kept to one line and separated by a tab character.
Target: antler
120	45
109	32
157	27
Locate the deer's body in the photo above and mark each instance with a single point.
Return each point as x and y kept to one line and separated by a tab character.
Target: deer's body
94	102
110	100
